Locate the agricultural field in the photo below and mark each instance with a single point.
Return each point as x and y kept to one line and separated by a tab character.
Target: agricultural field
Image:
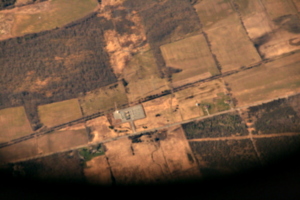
62	140
159	112
151	158
60	112
217	158
227	37
279	8
225	125
143	77
103	99
211	94
192	56
297	3
22	150
97	171
102	129
49	15
272	26
271	80
13	124
277	148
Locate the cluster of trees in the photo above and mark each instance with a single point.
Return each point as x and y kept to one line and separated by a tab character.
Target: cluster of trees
54	65
219	126
6	3
275	117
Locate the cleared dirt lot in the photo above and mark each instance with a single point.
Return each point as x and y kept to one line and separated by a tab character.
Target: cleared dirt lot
61	140
278	78
297	3
59	112
159	112
152	158
101	129
97	171
13	124
191	55
22	150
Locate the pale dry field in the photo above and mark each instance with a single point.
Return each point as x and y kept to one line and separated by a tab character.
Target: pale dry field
13	124
22	150
62	140
297	3
103	99
151	161
97	171
142	76
273	38
101	131
59	112
164	107
278	8
228	39
191	55
272	80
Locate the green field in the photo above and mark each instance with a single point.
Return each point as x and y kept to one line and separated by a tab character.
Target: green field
271	80
143	76
103	99
13	124
192	55
60	112
57	14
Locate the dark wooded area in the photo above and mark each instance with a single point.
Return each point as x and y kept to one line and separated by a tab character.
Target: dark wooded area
55	65
164	22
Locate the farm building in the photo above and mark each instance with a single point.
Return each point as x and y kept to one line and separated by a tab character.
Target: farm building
130	114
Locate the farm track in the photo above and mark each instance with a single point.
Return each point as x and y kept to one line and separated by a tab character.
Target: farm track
44	130
243	137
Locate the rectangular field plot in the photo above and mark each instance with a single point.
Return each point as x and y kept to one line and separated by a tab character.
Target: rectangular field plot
103	99
19	151
225	125
222	157
62	140
60	112
272	80
13	124
192	56
231	45
192	101
271	36
212	11
51	14
255	18
276	148
142	77
278	8
159	112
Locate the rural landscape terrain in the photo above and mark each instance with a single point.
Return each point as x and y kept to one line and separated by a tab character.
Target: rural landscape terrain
218	80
